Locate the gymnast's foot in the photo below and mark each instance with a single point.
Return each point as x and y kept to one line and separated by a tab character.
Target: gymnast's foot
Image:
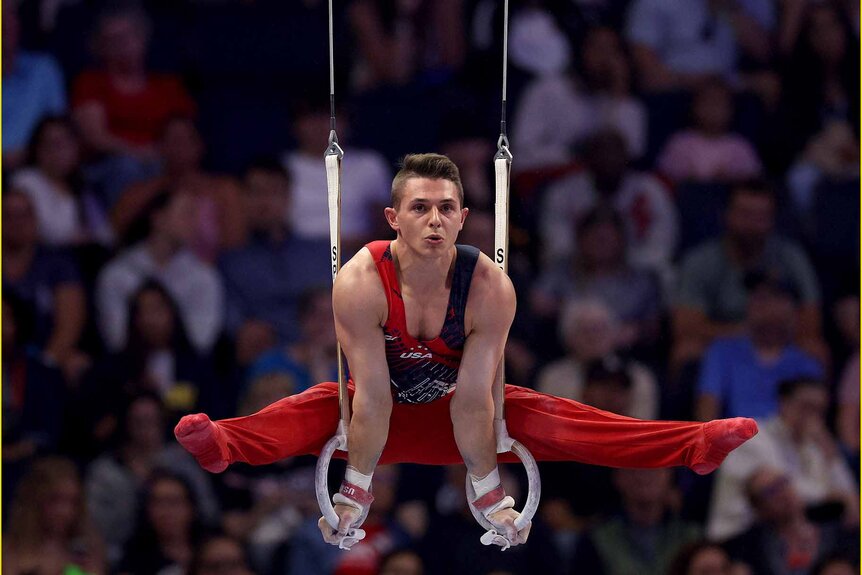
199	435
721	437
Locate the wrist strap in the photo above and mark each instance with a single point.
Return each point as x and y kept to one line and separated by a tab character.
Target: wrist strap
350	493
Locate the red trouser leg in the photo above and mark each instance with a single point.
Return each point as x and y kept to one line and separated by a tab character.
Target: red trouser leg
552	428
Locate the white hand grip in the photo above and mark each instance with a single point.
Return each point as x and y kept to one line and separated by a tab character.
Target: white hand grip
333	189
501	213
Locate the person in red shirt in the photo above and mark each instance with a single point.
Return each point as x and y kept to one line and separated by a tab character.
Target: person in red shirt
122	108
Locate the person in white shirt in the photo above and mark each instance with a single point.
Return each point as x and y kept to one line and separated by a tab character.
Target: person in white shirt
365	182
797	443
163	255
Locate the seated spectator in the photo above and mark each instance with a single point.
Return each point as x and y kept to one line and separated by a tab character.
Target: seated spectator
122	107
797	443
48	282
404	42
49	530
220	555
846	317
590	331
168	530
221	222
67	213
821	72
642	200
782	540
365	181
33	87
163	254
401	562
678	43
557	112
601	271
740	374
310	554
265	278
708	151
711	296
830	156
157	358
454	529
115	480
34	398
645	537
705	558
312	358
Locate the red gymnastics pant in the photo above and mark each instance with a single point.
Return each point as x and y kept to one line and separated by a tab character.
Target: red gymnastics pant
552	428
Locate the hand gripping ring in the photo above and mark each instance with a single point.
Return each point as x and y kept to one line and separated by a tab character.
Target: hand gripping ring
321	488
504	444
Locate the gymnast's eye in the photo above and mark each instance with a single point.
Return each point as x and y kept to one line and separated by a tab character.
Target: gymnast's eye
418	208
447	208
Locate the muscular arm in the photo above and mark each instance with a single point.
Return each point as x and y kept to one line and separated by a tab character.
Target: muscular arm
358	303
490	311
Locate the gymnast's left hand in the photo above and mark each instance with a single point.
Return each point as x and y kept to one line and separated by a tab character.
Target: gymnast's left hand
504	522
347	516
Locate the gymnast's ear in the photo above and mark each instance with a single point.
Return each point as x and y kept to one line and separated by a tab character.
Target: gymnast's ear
391	218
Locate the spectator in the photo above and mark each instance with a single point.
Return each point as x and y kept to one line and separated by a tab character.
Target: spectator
708	151
821	76
704	558
48	282
122	107
646	537
67	214
783	541
711	295
416	40
221	224
558	112
740	374
847	417
49	531
163	254
600	270
115	480
312	358
589	331
836	564
642	200
401	562
33	87
310	554
830	156
220	555
265	278
365	183
797	443
34	398
168	531
677	43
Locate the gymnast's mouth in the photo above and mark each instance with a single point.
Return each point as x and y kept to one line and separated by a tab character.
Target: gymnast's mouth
434	238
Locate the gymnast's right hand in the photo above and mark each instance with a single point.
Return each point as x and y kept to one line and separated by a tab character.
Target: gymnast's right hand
347	516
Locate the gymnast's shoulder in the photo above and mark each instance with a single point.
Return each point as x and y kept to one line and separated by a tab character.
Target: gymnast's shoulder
358	285
490	289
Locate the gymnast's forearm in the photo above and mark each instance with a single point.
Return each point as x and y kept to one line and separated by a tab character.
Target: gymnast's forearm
369	429
473	426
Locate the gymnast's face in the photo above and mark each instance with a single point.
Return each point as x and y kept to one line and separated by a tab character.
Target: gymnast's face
428	217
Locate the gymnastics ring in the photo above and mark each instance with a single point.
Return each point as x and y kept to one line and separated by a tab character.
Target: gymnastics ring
534	492
321	488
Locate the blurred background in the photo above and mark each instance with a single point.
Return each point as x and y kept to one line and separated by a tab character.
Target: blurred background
684	244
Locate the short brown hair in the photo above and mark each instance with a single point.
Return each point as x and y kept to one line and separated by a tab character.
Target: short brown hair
431	166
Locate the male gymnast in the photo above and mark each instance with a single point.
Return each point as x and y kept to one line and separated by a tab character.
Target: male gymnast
423	323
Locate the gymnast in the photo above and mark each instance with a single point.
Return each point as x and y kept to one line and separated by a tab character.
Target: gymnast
423	323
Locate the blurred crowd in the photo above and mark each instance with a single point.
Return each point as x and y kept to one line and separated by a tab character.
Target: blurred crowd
684	244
